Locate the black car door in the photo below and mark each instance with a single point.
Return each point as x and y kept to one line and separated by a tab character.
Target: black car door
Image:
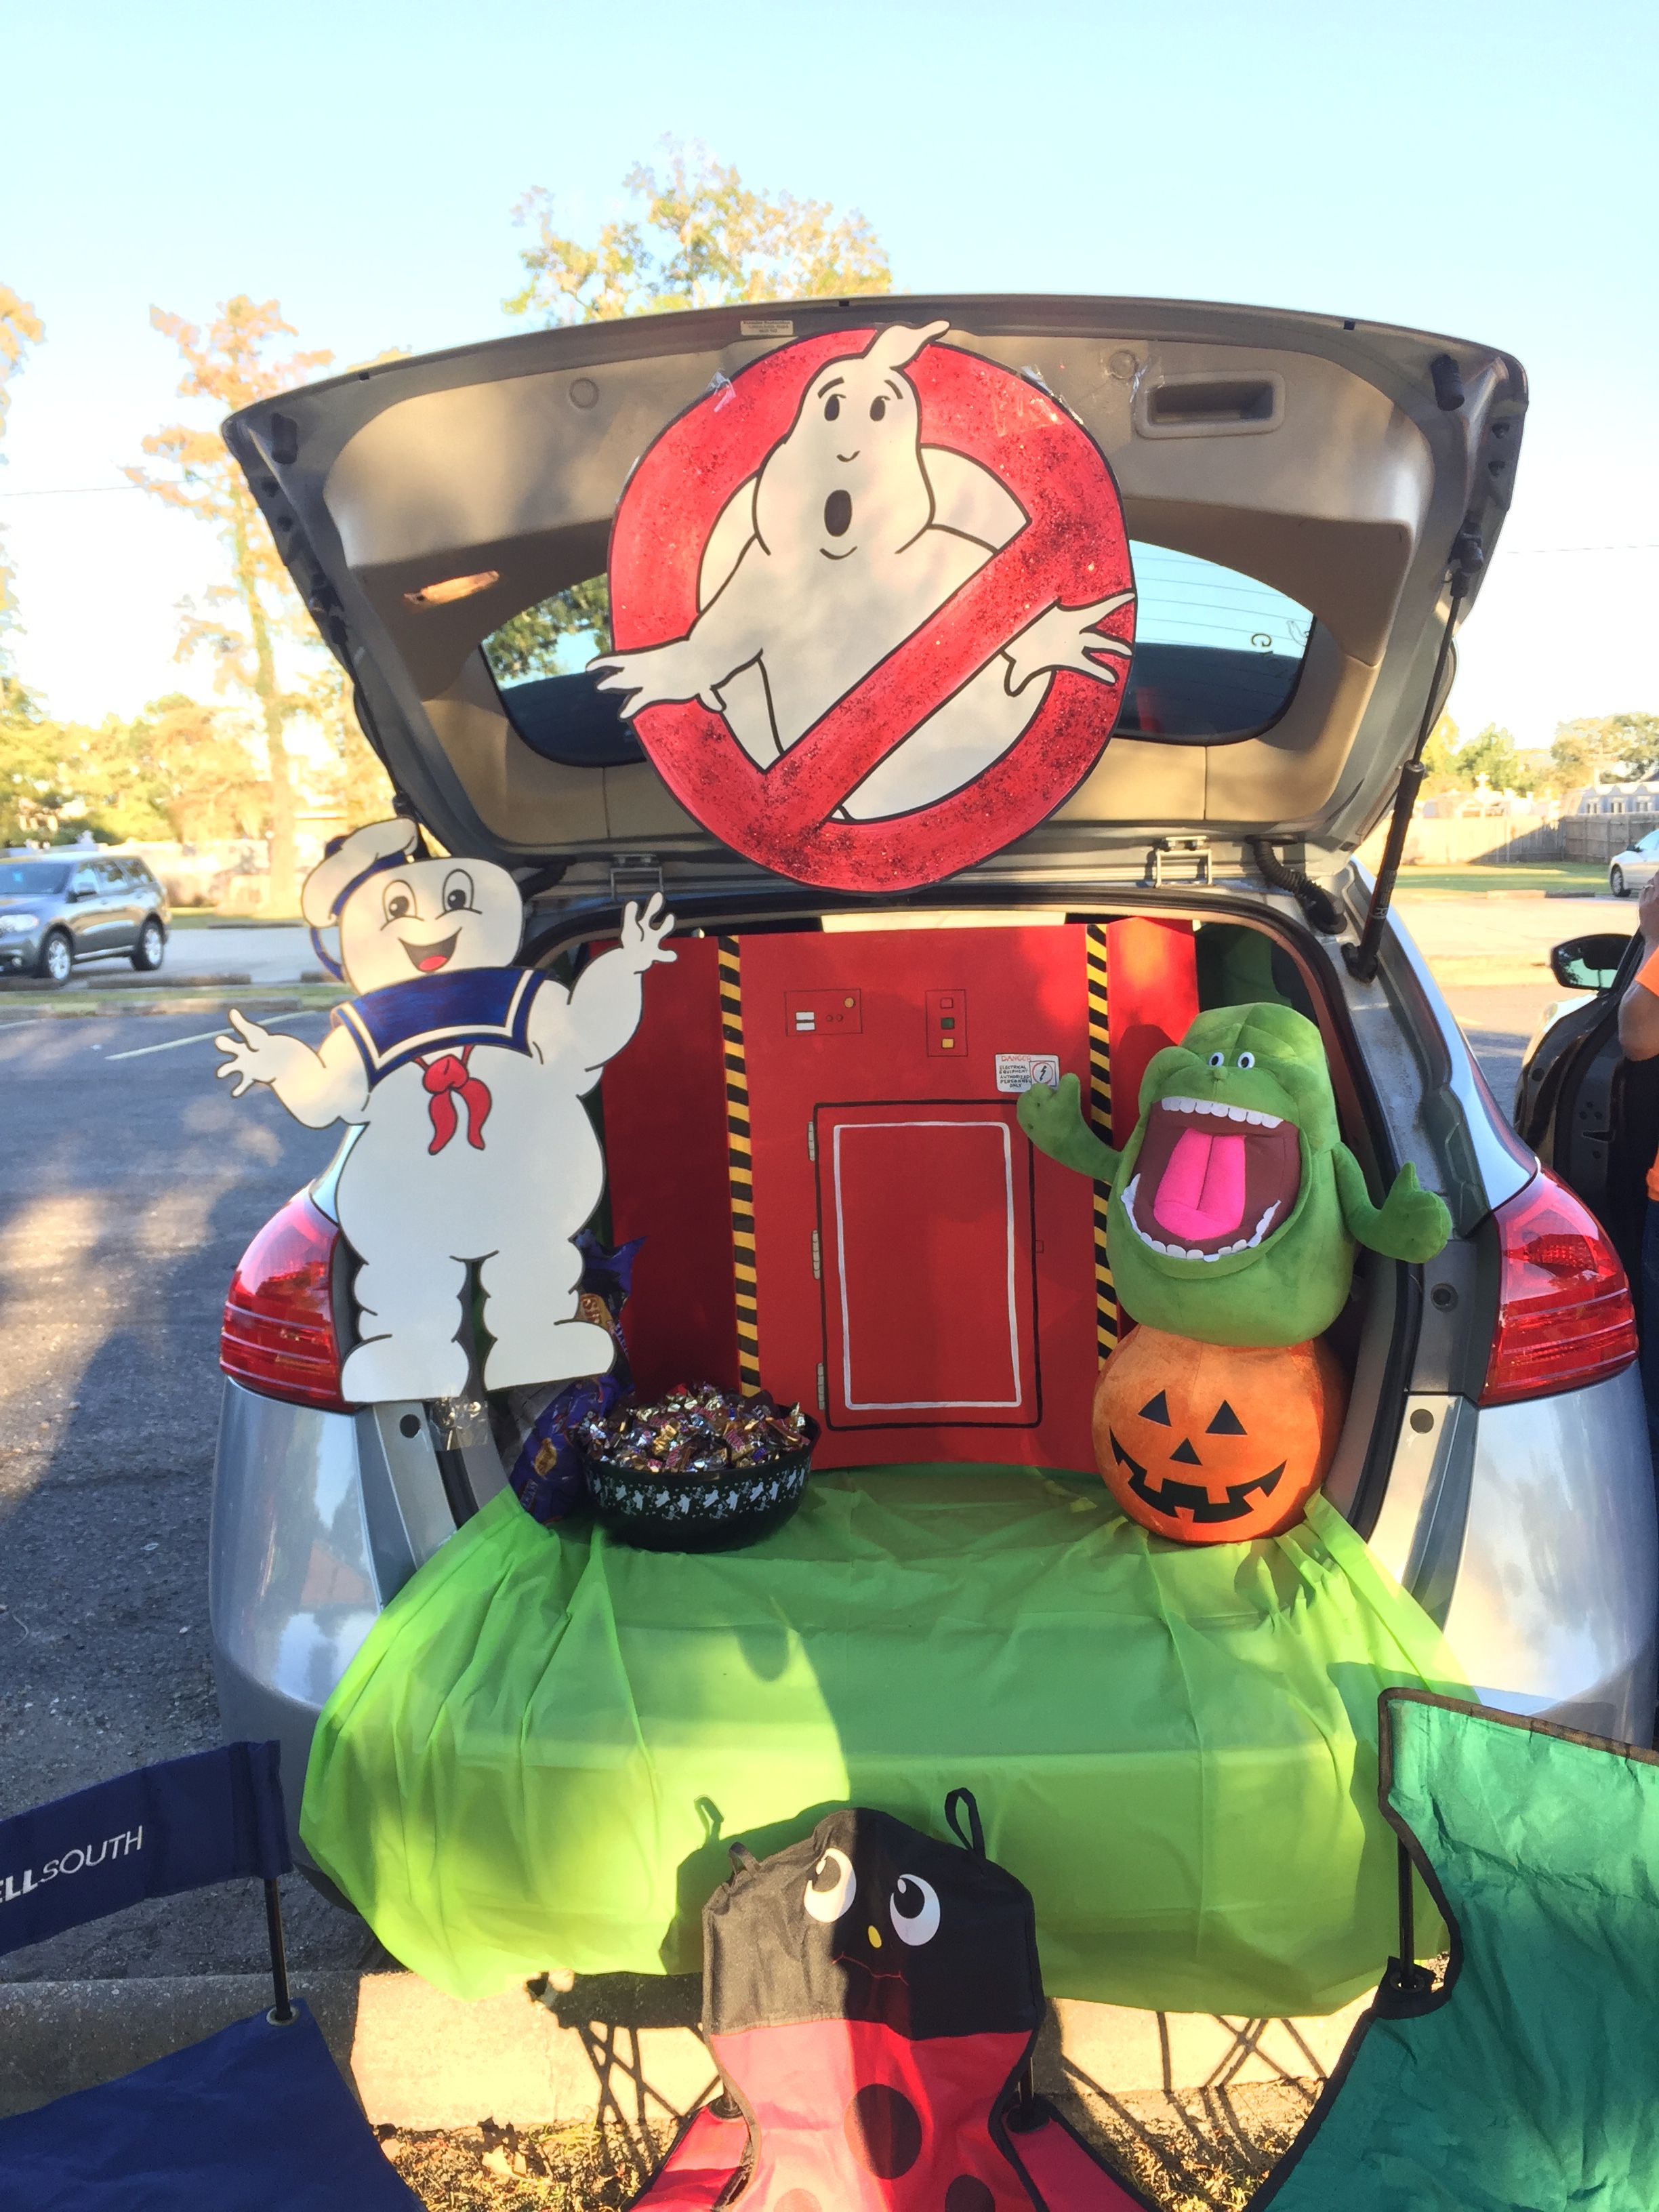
1593	1116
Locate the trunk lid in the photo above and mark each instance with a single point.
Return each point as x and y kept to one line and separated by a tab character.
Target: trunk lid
1293	486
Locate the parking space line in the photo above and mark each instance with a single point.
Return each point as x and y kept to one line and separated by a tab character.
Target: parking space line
28	1024
204	1036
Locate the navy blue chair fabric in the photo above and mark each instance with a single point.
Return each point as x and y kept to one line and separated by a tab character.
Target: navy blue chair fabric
252	2118
164	1829
255	2119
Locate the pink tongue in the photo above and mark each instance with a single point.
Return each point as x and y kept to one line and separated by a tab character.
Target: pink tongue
1202	1193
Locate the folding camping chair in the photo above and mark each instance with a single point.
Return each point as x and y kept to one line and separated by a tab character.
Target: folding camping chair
255	2116
1526	2082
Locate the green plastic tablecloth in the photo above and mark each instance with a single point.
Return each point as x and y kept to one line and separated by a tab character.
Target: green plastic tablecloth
541	1752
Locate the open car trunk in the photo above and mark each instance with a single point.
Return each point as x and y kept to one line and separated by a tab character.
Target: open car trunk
1292	487
814	1135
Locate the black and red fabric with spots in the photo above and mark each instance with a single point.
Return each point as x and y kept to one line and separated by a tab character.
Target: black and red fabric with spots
871	1997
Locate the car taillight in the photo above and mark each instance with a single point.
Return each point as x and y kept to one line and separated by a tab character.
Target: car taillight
1565	1316
278	1334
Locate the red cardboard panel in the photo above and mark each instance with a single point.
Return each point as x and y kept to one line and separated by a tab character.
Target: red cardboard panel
952	1335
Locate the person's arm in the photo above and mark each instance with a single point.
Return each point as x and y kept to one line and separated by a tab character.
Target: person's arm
1639	1010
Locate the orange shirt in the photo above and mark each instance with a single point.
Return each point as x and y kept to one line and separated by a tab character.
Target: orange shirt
1647	976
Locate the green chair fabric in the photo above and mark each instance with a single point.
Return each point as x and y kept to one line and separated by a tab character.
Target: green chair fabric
542	1750
1529	2082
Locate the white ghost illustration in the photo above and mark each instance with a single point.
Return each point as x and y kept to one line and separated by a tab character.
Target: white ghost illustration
850	536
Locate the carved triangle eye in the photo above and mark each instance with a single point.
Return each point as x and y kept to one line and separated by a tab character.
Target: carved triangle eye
1156	1409
1226	1422
1184	1452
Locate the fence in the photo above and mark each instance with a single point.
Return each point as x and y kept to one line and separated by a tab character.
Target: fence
1463	841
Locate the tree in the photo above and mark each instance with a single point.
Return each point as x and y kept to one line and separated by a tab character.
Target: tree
717	243
1440	758
700	238
1617	748
246	622
361	788
1492	754
20	329
1455	765
194	768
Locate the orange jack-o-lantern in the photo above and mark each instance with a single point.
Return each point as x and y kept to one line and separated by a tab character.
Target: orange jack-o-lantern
1213	1443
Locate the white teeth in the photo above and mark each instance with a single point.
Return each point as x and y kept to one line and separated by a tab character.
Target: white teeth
1261	1226
1220	1109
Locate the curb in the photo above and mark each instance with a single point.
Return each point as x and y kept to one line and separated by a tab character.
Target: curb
422	2060
264	998
23	987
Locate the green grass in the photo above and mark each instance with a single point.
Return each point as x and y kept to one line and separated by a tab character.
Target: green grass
1585	876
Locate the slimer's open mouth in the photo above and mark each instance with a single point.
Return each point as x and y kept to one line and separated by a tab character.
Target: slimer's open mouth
1212	1179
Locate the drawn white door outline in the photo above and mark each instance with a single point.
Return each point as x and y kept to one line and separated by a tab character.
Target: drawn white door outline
998	1130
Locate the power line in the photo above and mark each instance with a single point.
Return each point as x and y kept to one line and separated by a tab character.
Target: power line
1638	545
69	491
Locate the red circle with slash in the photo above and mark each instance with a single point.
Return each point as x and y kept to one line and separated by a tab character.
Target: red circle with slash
1072	552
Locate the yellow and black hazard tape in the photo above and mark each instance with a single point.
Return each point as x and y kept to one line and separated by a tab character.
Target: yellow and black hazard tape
1100	1112
740	1168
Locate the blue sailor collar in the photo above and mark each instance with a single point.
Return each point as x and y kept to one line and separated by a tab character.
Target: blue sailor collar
405	1022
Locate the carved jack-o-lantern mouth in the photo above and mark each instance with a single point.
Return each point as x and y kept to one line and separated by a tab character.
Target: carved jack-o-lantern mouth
1214	1443
1173	1497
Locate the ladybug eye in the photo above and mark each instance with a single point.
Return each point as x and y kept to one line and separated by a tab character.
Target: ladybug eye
914	1910
458	889
1217	1059
832	1888
878	408
1246	1059
832	407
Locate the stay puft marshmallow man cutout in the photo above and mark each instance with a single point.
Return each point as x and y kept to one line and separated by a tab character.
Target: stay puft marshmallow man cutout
852	534
467	1075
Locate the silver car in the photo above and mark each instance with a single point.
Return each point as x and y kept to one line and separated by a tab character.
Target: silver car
60	908
1635	868
1311	502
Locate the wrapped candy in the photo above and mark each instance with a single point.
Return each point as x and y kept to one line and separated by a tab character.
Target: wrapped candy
694	1433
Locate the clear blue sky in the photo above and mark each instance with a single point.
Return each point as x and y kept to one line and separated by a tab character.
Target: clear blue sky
1487	171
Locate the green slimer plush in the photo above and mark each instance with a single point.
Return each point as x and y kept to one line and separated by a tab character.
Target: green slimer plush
1235	1205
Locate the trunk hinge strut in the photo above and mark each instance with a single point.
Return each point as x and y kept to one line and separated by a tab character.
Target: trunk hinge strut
1467	557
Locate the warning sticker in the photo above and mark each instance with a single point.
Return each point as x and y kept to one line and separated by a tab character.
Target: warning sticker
1018	1071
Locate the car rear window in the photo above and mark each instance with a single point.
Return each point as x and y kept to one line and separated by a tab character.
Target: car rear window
32	878
1216	657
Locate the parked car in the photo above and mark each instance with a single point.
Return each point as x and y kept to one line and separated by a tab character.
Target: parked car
59	907
1634	869
1295	486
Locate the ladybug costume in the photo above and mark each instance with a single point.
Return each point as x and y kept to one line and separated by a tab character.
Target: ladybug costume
871	1997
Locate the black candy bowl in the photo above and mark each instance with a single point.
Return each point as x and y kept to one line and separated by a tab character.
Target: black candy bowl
699	1512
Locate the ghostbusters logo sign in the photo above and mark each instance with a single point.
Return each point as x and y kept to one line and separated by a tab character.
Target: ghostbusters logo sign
873	606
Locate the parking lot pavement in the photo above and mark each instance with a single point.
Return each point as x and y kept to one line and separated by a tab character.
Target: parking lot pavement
129	1185
276	955
1507	930
1497	1021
